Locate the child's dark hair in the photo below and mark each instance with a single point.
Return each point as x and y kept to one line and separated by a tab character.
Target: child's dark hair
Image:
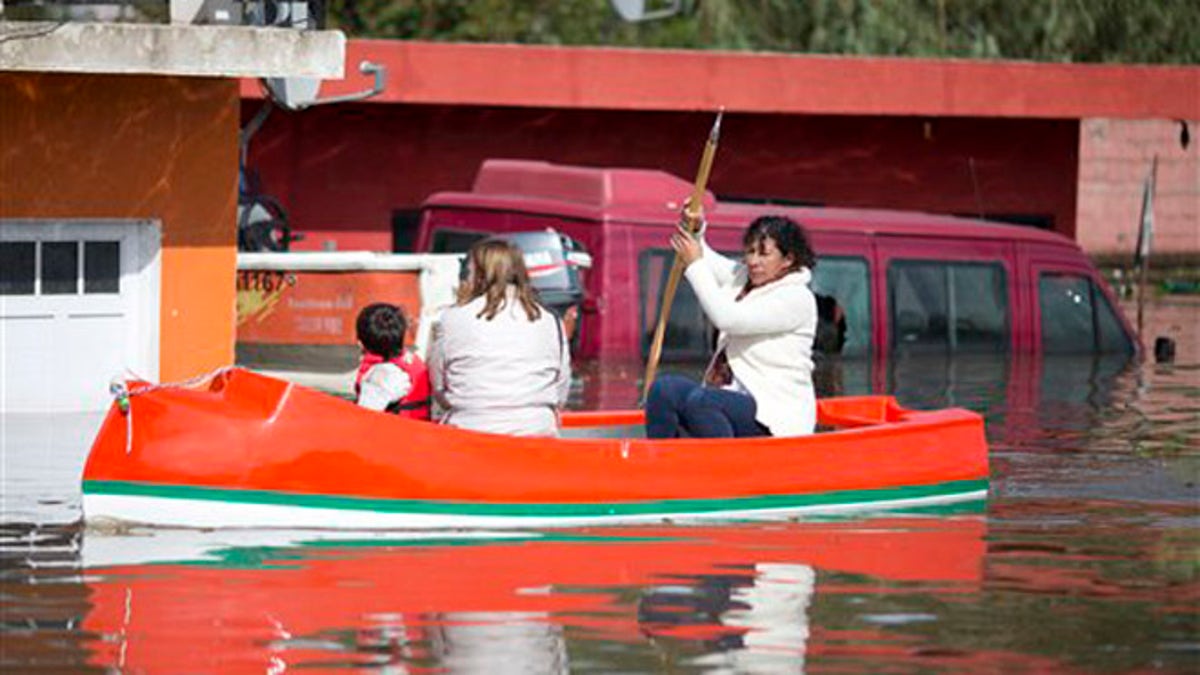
788	235
381	328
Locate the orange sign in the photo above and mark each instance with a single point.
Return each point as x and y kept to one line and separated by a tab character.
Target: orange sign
317	308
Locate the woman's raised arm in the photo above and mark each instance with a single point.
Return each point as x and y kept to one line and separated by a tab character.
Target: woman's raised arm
724	269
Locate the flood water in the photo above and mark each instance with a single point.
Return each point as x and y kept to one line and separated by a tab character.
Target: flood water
1085	558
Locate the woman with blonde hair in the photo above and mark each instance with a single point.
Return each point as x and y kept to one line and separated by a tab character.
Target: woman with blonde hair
499	360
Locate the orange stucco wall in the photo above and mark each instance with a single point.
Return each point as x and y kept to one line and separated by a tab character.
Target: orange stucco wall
111	146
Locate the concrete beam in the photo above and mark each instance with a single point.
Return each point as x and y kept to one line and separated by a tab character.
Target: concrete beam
144	49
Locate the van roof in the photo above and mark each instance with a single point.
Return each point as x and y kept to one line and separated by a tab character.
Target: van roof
650	197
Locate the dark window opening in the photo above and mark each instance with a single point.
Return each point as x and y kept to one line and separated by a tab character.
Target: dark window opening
843	289
101	267
60	267
406	225
688	335
18	267
455	241
1040	221
770	201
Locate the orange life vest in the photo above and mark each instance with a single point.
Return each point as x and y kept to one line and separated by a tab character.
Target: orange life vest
415	403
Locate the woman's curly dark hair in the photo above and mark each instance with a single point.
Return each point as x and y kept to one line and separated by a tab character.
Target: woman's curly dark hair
789	237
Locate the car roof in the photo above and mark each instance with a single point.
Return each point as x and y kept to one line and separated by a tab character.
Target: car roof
654	198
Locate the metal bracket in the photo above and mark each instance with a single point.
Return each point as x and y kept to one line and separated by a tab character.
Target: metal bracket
301	93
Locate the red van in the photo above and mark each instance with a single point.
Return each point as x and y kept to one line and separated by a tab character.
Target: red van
903	282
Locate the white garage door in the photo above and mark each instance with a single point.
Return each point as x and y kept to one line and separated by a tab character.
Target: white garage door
78	305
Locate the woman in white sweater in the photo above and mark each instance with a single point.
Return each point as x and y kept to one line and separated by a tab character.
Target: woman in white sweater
498	360
760	379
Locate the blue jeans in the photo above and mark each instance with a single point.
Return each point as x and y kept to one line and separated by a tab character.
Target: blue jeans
679	406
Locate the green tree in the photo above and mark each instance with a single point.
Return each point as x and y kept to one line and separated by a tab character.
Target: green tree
1131	31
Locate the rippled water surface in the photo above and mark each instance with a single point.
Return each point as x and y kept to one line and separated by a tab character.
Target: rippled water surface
1086	558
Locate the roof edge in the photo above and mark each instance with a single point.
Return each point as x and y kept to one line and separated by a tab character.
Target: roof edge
160	49
612	78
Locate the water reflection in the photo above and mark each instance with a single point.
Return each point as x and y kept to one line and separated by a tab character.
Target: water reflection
535	602
741	623
1032	585
42	598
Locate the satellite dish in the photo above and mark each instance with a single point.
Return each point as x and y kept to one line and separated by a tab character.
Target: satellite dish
634	11
293	93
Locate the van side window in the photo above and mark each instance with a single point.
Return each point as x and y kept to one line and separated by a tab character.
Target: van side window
951	306
1076	317
688	334
842	286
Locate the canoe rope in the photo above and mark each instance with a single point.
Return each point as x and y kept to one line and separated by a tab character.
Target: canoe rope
122	392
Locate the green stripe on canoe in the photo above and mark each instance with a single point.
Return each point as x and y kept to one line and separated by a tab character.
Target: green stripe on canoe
432	507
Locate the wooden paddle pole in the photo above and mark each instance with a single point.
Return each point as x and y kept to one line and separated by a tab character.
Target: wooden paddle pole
691	220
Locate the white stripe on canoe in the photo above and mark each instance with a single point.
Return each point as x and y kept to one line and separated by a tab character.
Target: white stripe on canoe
208	513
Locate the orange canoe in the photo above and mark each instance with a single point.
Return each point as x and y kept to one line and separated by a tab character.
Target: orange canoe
246	450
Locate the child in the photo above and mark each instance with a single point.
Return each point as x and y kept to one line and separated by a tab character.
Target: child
390	377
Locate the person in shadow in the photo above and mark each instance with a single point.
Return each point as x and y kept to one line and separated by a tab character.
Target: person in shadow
831	326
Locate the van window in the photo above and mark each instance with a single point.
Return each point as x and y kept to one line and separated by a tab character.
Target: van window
454	241
951	306
841	284
688	335
844	305
1076	317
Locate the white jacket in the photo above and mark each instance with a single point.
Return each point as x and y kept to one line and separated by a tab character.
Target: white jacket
767	337
508	375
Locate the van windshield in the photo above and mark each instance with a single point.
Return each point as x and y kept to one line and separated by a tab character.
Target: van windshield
1077	317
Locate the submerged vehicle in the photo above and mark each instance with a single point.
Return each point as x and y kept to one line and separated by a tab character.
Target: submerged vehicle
247	450
891	282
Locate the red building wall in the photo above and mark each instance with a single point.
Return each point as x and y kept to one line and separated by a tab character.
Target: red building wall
1115	158
341	171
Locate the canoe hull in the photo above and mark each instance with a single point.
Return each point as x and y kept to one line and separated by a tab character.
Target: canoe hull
251	451
181	506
